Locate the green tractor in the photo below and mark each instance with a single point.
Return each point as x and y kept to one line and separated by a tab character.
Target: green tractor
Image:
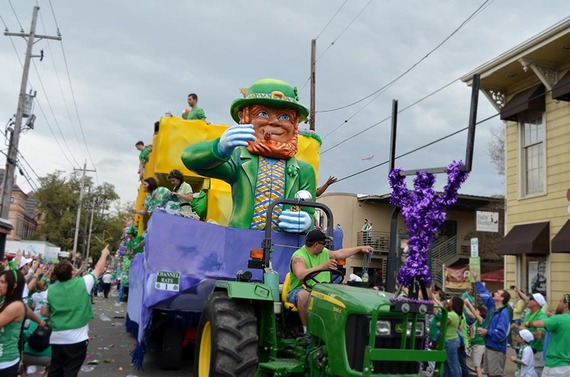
246	329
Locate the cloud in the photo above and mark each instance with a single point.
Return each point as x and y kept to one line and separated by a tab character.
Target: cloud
132	61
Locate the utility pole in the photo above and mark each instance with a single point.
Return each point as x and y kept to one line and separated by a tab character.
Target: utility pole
313	81
12	157
79	208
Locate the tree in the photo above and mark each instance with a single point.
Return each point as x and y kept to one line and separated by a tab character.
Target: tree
58	198
496	149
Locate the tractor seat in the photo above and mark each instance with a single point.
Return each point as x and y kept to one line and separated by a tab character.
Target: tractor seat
285	291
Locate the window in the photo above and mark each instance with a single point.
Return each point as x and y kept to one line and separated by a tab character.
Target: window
533	154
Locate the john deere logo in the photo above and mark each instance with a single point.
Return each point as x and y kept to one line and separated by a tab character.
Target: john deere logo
399	328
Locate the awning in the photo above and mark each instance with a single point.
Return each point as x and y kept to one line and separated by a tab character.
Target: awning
494	276
561	241
531	239
561	90
530	99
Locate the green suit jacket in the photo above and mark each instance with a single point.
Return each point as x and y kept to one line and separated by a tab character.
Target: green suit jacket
240	171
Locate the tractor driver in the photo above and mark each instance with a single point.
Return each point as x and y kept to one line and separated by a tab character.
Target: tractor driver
312	257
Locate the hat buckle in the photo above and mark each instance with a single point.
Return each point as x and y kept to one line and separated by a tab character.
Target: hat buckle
277	94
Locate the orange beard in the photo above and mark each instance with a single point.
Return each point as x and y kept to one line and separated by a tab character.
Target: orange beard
274	149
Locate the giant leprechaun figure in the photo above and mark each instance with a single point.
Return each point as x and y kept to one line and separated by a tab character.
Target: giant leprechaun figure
257	157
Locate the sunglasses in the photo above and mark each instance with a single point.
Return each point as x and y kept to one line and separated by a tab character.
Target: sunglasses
322	242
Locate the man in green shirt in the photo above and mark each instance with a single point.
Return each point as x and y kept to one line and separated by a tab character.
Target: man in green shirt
534	302
69	309
196	112
312	257
558	353
143	156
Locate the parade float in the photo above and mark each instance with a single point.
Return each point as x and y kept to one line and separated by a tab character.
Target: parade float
223	288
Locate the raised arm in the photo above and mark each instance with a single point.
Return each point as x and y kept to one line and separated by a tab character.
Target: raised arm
345	253
100	266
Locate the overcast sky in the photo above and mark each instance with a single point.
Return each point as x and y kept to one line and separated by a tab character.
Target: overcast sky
129	62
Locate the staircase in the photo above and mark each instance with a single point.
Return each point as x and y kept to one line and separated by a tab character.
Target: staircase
443	251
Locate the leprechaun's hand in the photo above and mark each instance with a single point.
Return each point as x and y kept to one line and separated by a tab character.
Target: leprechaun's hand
235	136
294	222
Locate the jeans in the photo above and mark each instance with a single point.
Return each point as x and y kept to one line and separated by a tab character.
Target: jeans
452	368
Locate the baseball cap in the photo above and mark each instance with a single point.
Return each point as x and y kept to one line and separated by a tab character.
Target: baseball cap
316	235
539	298
526	335
24	261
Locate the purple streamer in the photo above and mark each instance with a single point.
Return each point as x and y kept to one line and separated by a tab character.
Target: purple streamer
424	213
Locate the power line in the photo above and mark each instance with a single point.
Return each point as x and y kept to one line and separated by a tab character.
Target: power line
29	165
5	26
24	173
418	148
344	30
77	113
54	17
389	117
328	23
59	83
331	19
477	11
53	134
15	14
54	116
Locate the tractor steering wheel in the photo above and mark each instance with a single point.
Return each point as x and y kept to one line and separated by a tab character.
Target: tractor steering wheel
336	277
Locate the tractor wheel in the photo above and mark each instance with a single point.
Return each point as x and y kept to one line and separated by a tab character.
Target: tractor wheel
172	348
227	339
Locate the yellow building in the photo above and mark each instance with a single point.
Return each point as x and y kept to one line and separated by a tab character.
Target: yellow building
529	86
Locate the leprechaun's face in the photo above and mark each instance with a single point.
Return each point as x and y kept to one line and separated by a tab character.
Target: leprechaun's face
273	123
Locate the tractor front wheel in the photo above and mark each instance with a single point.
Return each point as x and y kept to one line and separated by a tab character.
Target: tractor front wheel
227	339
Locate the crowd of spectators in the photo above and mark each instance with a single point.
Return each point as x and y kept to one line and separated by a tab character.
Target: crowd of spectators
482	325
35	292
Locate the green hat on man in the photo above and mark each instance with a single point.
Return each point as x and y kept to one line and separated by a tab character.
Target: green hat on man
132	230
271	93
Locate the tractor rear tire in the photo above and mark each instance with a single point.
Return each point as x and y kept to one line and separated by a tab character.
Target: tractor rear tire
172	348
227	339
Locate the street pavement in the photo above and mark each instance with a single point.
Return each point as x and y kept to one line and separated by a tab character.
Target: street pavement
110	345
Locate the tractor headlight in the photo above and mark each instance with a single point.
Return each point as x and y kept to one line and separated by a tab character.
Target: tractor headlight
420	329
383	328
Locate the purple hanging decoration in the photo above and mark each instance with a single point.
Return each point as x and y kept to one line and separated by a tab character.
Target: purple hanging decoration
424	213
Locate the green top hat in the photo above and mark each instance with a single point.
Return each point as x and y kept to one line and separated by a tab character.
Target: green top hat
271	93
132	230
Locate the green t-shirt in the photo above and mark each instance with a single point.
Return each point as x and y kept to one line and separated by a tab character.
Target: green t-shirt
311	261
9	340
195	113
558	353
464	331
451	332
433	328
145	152
478	339
537	344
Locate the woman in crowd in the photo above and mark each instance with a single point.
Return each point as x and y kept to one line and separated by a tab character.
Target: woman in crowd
477	342
452	367
12	313
156	196
182	190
